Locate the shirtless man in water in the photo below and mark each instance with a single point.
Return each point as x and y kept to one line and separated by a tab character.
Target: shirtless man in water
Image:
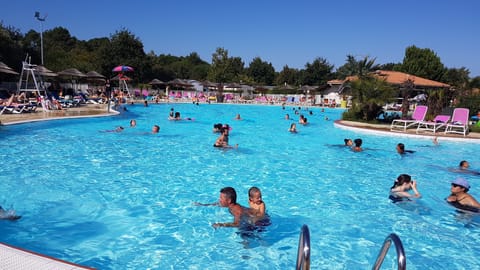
228	198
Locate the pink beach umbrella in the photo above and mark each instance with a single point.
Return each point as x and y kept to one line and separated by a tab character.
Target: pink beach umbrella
122	69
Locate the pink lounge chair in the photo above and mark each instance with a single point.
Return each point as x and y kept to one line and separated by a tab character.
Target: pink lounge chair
439	122
459	123
418	116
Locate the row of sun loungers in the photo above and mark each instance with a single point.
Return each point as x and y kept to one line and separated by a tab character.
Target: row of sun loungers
20	108
457	123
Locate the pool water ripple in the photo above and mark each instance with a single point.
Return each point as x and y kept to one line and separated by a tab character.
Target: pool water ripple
125	200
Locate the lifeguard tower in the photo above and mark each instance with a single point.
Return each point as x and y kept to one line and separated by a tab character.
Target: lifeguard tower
31	81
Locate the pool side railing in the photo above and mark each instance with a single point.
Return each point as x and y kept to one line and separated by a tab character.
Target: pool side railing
401	259
303	254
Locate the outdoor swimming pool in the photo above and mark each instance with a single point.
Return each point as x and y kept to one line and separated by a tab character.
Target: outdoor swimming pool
125	200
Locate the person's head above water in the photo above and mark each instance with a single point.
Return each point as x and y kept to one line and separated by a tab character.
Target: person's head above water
401	148
464	164
348	142
255	195
402	179
228	195
461	182
358	142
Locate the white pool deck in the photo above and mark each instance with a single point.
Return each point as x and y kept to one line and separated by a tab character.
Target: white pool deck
13	258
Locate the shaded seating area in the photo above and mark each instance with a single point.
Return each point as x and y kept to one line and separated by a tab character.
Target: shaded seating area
17	104
418	116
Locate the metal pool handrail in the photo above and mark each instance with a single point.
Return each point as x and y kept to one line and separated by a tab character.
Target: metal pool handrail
303	255
402	264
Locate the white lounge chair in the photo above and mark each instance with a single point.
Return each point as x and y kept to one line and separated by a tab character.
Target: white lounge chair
459	123
418	116
439	122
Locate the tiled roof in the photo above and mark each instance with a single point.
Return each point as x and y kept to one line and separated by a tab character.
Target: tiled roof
397	77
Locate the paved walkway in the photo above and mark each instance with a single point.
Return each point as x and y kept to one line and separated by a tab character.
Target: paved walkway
385	129
88	110
13	258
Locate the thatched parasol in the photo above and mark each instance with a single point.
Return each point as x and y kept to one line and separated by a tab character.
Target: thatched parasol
44	71
72	72
6	69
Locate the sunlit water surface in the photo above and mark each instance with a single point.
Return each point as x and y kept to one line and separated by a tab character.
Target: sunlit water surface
125	200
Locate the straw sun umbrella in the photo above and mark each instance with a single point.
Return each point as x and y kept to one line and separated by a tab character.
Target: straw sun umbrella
6	69
73	74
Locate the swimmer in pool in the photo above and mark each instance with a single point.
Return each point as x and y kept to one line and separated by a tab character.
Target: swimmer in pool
257	206
155	129
222	140
133	123
459	196
118	129
217	128
293	128
348	142
464	167
401	188
228	198
401	149
358	145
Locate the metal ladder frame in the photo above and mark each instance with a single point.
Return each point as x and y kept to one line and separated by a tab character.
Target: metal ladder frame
401	259
303	255
29	71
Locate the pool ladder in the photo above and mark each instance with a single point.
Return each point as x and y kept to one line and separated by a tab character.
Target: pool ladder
303	254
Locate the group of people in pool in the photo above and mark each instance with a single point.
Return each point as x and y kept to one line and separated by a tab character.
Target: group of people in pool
223	138
404	188
356	144
254	215
133	124
175	116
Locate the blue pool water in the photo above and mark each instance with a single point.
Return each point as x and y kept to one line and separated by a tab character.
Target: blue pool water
125	200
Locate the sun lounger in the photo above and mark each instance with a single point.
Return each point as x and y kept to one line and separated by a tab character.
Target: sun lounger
439	122
15	108
418	116
459	123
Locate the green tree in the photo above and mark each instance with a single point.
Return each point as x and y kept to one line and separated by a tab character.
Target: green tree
369	95
11	51
262	72
125	49
287	75
354	67
317	73
423	63
225	69
475	82
390	66
458	78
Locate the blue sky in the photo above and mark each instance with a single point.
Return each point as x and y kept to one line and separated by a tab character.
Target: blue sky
283	33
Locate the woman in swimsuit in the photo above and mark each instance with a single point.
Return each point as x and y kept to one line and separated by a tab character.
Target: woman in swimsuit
460	198
401	187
